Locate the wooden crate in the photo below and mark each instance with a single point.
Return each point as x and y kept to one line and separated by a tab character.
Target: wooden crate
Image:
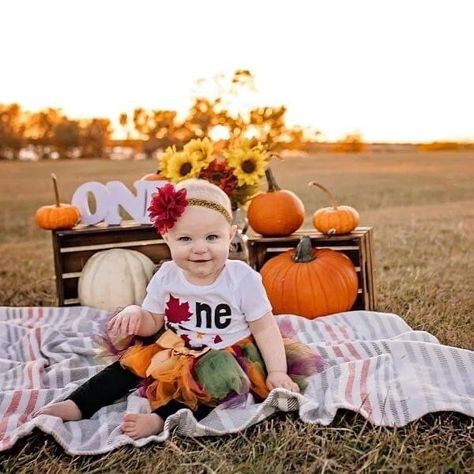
72	248
358	246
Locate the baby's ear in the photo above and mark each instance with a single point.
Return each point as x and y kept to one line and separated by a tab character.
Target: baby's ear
232	232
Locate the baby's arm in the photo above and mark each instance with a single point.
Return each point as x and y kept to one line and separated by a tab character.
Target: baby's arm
135	320
270	343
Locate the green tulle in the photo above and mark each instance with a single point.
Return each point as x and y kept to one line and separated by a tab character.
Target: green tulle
219	375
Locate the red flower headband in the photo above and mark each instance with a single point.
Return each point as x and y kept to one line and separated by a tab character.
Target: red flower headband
166	206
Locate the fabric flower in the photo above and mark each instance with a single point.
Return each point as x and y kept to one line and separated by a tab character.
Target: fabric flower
166	207
248	163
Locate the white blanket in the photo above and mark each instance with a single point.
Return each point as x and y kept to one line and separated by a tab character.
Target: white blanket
376	366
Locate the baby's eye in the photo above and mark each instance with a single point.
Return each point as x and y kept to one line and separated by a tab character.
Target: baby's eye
184	238
212	237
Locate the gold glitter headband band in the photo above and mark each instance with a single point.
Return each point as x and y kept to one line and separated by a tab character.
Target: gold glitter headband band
211	205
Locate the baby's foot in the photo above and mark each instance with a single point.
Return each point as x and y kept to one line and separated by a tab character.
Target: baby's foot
138	425
67	410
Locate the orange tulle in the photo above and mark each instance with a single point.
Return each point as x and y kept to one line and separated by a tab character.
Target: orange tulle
170	363
178	373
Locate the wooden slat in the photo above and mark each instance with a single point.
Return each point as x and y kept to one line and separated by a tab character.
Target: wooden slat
113	245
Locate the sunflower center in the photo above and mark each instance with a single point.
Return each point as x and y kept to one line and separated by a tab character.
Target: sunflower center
248	166
185	169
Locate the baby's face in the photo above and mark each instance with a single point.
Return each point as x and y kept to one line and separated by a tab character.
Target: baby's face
199	243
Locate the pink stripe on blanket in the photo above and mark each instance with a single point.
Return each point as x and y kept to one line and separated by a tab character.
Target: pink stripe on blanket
330	331
30	406
350	384
366	407
344	331
15	401
353	350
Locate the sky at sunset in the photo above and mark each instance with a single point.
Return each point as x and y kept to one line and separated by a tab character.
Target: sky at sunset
398	70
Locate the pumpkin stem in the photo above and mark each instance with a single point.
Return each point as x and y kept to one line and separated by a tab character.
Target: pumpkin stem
56	192
304	250
325	190
272	184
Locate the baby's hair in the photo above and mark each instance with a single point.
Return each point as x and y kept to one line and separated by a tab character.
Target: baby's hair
202	189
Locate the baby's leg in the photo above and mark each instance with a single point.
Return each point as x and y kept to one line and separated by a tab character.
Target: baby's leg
102	389
67	410
137	425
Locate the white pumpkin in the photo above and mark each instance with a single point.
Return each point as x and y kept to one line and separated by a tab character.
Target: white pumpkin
113	278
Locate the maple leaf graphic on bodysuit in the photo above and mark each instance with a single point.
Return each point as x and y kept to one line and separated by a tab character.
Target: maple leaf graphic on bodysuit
177	312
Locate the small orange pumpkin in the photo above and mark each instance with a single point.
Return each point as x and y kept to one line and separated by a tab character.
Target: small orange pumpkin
152	177
334	220
276	212
59	215
310	282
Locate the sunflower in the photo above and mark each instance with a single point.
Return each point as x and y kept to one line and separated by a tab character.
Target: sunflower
248	163
165	159
182	166
202	151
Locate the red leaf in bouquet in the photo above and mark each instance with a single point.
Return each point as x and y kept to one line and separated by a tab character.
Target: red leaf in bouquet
218	173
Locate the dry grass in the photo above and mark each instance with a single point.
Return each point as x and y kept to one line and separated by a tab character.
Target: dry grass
422	209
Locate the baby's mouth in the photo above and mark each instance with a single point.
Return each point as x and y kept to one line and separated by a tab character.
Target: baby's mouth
200	261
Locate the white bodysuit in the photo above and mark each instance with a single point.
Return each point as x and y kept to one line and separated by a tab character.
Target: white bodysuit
214	315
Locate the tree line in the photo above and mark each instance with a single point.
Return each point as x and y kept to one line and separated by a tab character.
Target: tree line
51	134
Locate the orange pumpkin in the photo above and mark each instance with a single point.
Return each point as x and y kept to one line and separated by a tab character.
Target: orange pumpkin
59	215
276	212
310	282
152	177
334	220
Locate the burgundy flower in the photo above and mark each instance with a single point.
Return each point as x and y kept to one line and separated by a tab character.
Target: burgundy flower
218	173
166	207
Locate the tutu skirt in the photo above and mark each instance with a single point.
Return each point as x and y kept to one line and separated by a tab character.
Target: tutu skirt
171	371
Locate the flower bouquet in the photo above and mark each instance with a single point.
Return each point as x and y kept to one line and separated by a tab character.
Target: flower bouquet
237	168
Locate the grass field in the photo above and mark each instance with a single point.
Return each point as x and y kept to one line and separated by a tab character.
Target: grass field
422	209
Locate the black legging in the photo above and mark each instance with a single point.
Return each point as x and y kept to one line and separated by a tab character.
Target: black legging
112	383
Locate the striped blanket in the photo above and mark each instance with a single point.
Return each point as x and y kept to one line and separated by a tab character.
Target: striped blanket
376	366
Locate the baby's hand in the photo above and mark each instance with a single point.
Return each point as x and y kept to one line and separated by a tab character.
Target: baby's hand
281	380
127	322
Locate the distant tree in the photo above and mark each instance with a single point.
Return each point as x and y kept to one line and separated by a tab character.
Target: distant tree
350	143
158	128
269	124
202	116
123	120
295	138
141	122
66	136
40	130
94	137
12	130
226	106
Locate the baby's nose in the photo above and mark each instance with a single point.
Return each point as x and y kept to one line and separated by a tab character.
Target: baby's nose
200	247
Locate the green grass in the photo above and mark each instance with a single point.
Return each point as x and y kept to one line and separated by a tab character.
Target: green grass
422	209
